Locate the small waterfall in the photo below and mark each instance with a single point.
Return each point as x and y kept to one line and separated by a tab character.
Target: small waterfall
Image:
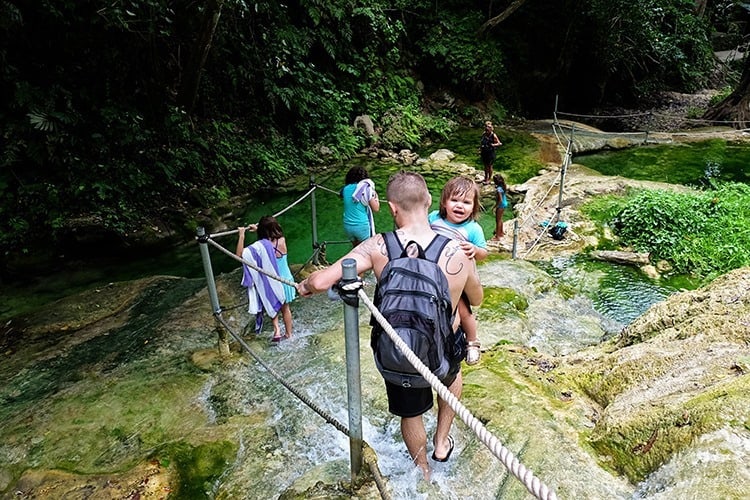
298	447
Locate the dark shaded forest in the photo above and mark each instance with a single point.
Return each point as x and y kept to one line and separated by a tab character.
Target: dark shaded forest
116	114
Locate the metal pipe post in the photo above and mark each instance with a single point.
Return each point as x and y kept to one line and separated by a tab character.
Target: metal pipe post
314	215
223	338
566	161
203	246
554	113
514	252
353	380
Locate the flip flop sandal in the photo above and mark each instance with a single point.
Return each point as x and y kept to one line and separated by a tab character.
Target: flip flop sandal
450	450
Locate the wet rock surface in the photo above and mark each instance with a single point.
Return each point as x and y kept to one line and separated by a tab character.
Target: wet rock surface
660	407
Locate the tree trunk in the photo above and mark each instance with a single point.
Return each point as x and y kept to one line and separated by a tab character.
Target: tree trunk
188	93
491	23
700	7
736	107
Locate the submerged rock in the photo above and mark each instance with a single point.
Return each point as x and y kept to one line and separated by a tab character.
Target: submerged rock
108	383
672	382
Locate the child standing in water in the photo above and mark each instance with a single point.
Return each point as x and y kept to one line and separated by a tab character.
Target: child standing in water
360	201
501	203
457	219
264	292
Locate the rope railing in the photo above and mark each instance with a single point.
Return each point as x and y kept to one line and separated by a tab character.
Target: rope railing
302	397
514	466
599	133
628	115
250	264
327	189
557	180
541	201
277	214
650	114
327	417
532	484
292	205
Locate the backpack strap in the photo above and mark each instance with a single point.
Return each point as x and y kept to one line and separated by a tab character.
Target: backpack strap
435	249
392	245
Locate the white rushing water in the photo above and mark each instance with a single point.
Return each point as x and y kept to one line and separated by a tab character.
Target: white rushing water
292	446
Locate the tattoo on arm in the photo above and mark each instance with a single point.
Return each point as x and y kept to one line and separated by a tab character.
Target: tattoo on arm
360	249
381	246
450	253
370	246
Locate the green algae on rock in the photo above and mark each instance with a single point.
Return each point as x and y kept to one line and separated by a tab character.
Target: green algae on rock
669	379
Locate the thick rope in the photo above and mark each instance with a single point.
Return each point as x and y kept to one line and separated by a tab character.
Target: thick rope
650	113
538	237
541	201
327	189
328	418
297	202
631	115
555	126
514	466
251	264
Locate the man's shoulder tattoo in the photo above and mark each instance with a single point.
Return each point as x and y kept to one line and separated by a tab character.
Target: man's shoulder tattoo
371	246
451	267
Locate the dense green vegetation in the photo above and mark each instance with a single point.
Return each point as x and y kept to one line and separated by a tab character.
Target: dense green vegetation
117	114
702	233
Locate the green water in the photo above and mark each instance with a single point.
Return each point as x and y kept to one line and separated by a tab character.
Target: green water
684	163
517	159
620	293
297	223
185	260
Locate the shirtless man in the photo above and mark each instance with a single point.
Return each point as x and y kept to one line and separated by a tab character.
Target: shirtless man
409	201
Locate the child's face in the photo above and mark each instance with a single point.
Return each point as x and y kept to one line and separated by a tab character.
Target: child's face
458	208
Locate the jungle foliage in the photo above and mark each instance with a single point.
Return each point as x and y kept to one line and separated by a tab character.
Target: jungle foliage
118	113
702	233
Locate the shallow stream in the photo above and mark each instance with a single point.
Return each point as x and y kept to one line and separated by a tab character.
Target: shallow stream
281	442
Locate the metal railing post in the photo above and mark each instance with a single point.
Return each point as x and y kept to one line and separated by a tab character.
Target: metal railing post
203	246
212	294
514	252
566	162
353	379
314	215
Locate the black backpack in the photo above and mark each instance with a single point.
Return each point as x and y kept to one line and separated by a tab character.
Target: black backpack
558	231
414	297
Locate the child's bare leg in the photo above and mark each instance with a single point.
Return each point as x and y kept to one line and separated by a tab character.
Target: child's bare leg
286	315
468	321
469	325
276	328
499	223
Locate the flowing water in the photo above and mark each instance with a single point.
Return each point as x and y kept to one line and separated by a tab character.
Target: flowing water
303	449
619	292
289	443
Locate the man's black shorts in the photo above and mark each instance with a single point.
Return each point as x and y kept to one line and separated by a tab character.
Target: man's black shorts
412	402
